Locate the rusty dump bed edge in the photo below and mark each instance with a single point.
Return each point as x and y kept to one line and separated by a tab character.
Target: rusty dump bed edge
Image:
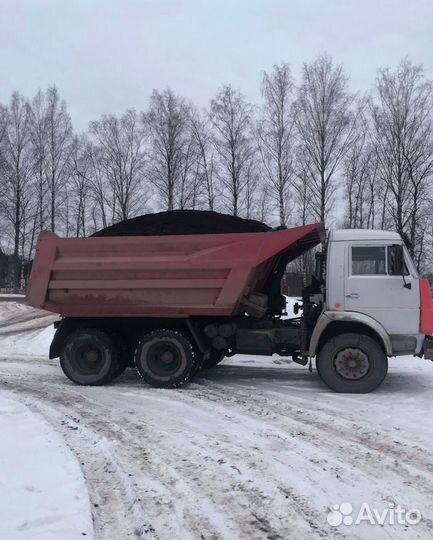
160	276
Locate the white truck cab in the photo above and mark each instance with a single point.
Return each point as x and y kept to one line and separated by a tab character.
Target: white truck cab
371	292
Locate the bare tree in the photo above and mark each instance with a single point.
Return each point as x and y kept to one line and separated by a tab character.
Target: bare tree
361	183
3	126
302	192
168	124
99	187
403	137
17	170
264	204
303	265
231	119
275	136
120	156
79	186
189	190
39	137
201	135
58	151
325	127
252	191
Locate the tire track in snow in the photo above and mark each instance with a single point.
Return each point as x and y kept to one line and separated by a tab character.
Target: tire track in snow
100	431
386	464
267	439
243	523
109	494
323	420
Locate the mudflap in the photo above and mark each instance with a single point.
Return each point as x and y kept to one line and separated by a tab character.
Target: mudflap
58	339
427	348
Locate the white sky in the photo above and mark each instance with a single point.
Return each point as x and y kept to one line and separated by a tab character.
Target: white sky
106	55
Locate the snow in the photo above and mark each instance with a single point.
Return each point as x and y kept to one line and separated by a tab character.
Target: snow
9	309
35	342
43	494
290	306
24	330
256	448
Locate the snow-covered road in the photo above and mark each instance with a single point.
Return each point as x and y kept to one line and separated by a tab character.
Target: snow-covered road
255	448
43	495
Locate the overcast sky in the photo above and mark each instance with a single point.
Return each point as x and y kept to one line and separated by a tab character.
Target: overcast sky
108	55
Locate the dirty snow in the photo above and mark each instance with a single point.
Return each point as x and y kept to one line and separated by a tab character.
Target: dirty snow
43	494
255	448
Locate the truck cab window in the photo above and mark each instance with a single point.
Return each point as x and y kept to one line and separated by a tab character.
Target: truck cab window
368	260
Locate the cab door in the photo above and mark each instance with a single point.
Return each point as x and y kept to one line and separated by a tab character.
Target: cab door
372	287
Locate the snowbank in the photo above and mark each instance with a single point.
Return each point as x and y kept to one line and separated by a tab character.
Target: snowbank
24	330
43	495
32	343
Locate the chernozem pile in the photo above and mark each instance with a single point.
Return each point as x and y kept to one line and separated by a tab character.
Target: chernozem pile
183	222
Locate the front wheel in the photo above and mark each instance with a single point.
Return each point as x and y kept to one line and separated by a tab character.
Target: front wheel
165	359
352	363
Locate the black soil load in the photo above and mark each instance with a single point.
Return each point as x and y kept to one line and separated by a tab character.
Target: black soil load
183	222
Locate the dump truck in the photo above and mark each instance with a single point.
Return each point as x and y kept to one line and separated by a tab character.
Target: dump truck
172	305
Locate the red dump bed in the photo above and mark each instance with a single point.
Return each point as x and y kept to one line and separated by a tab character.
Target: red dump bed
165	276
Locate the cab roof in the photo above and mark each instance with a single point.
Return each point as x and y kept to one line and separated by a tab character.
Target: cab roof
363	234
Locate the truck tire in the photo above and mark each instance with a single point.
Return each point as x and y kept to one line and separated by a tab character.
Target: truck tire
165	359
352	363
214	359
90	357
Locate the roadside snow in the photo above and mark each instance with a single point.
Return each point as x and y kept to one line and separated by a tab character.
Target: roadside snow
24	330
31	343
9	309
42	491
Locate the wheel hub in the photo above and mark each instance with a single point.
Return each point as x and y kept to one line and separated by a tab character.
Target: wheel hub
352	364
164	358
92	356
89	359
167	357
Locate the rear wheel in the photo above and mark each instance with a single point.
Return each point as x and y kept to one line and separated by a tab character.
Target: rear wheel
90	357
352	363
165	359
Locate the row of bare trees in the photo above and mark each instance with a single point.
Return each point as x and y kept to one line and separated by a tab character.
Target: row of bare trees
312	150
388	170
